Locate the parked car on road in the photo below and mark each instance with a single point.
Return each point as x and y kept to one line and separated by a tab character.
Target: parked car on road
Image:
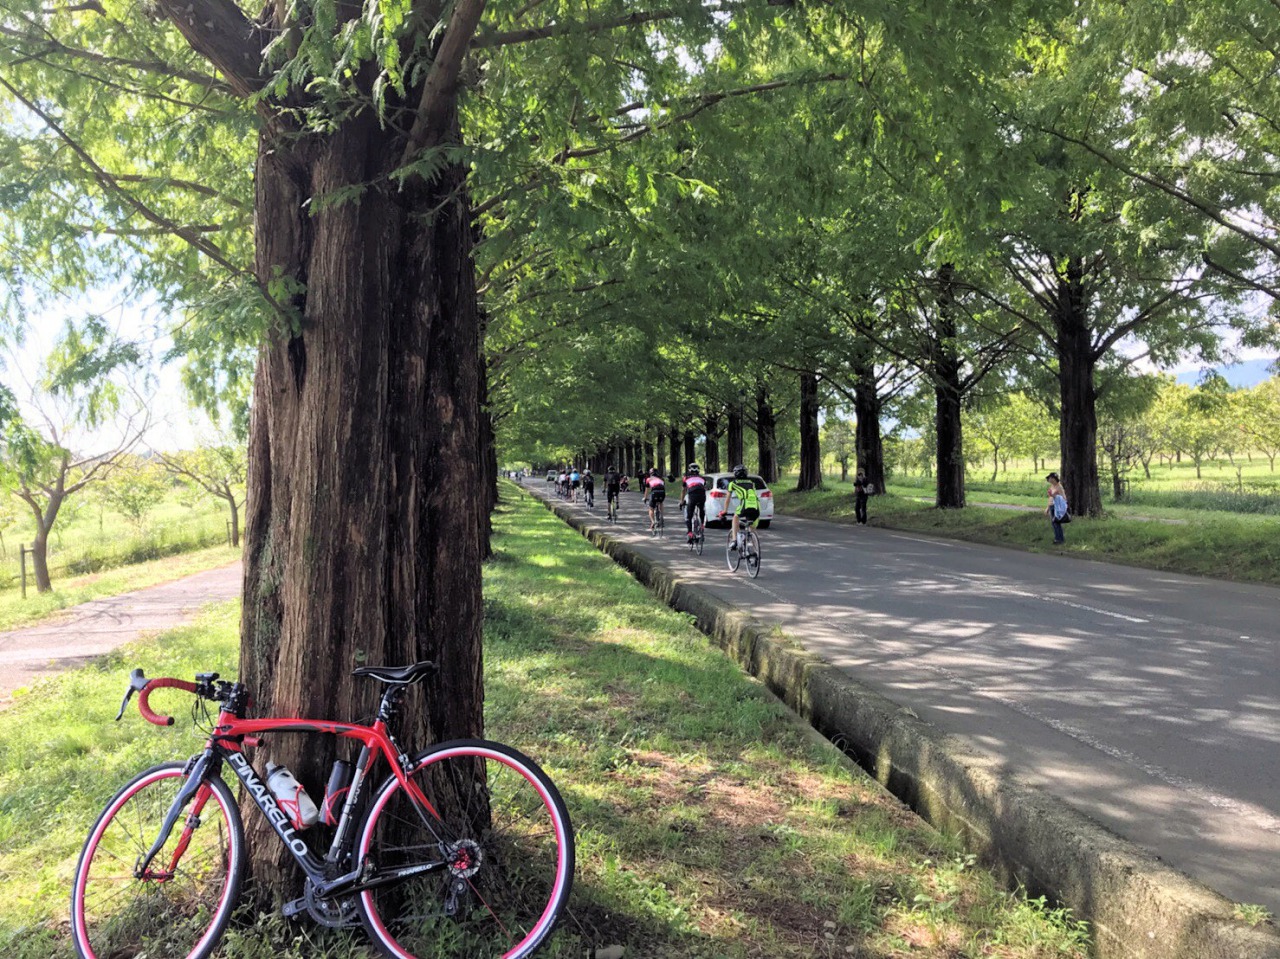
718	499
551	476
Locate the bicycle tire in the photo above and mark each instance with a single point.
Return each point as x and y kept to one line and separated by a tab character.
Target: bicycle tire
699	535
732	557
517	873
183	913
752	548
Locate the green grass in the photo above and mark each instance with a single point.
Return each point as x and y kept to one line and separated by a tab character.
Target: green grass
89	537
710	822
16	611
1196	542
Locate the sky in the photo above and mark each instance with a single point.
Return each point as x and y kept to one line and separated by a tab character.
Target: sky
174	425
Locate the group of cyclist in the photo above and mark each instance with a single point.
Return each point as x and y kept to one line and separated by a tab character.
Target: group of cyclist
693	498
743	498
570	481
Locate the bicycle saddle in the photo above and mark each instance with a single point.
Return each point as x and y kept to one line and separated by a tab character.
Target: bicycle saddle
398	674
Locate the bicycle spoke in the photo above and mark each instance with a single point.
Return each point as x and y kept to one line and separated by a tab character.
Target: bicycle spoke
509	855
180	914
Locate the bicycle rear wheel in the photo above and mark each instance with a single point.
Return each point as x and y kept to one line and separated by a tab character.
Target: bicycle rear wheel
732	557
752	549
505	855
699	534
181	907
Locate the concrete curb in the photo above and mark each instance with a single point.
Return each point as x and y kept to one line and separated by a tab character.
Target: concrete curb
1137	907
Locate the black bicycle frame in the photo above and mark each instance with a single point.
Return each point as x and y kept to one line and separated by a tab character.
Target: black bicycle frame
357	879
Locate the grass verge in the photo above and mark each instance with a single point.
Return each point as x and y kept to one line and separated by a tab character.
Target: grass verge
710	823
1223	545
16	611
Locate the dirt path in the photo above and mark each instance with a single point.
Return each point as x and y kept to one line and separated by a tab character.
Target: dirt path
77	635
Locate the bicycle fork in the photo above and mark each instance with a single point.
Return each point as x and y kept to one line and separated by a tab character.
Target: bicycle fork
192	786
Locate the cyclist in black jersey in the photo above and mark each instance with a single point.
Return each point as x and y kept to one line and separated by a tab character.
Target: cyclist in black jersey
693	496
612	485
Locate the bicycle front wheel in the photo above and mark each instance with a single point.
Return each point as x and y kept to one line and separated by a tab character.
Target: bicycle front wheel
494	855
181	905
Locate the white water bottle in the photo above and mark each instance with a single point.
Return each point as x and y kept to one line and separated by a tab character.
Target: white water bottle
293	799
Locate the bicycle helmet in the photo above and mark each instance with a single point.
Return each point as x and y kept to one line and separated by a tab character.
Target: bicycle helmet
693	469
653	471
739	472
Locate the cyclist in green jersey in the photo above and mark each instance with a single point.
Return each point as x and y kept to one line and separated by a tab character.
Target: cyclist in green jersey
748	502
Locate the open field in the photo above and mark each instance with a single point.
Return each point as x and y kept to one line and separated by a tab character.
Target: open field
711	823
90	537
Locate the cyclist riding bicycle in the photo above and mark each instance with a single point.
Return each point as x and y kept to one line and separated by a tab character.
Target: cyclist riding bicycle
589	487
748	502
657	493
693	496
612	485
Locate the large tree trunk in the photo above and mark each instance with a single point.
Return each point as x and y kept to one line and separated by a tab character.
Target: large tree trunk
712	465
1078	428
690	448
766	435
950	488
810	448
363	544
677	441
944	369
867	443
733	437
661	449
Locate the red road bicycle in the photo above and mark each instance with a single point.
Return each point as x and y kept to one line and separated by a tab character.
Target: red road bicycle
465	849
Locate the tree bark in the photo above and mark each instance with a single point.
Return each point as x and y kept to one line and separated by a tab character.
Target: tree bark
676	438
867	442
712	464
766	435
1078	428
810	448
363	544
733	438
661	449
944	370
230	497
690	448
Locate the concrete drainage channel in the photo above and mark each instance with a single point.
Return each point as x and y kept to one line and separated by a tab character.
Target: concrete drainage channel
1137	907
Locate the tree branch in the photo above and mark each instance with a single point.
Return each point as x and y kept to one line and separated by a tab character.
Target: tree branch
439	93
220	32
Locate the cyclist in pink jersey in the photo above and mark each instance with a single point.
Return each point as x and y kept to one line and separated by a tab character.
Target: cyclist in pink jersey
655	491
693	496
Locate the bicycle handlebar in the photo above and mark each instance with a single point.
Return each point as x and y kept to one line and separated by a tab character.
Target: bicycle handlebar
149	688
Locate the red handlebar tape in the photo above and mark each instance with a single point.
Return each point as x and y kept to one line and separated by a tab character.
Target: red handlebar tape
154	684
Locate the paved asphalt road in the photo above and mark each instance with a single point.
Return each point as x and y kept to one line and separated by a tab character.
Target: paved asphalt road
1149	701
96	627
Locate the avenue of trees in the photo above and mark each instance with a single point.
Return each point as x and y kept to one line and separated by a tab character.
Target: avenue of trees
407	235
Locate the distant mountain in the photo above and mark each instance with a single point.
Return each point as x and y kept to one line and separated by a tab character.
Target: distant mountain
1237	374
